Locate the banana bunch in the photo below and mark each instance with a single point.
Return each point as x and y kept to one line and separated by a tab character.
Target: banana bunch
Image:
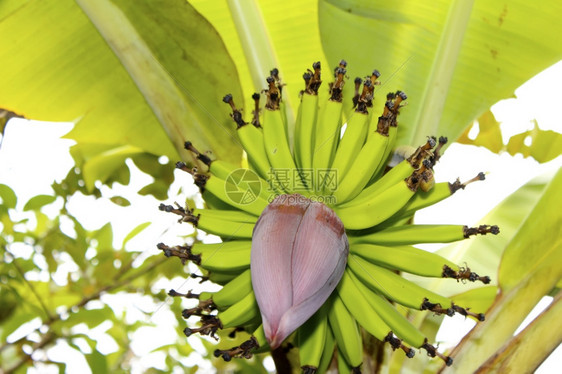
349	174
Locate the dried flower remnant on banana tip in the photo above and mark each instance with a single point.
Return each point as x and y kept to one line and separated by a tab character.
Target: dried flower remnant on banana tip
294	269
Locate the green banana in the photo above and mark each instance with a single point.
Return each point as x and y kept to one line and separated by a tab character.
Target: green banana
256	344
418	234
398	324
232	194
305	130
240	313
328	353
393	286
229	257
400	172
439	192
393	104
357	304
224	228
380	207
259	336
326	138
250	136
404	258
359	308
345	330
351	143
212	221
311	339
343	365
226	215
362	168
231	292
220	278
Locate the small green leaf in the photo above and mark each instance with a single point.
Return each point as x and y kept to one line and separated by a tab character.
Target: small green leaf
37	202
157	189
104	236
545	145
134	232
489	134
120	200
97	362
542	145
15	321
8	196
105	164
91	317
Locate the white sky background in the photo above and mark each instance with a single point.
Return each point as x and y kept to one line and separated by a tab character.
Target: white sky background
32	156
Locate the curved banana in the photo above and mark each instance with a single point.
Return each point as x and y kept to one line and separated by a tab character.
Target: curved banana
231	292
252	142
345	330
228	257
344	366
311	339
398	324
378	208
395	287
350	144
235	196
223	228
398	173
256	344
241	313
217	222
219	277
417	234
362	167
360	309
305	130
328	353
275	138
250	136
356	303
439	192
404	258
327	136
226	215
393	103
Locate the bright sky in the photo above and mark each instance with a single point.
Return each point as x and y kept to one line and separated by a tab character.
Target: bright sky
32	156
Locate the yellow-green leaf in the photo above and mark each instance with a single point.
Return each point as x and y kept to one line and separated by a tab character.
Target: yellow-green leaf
530	269
414	44
162	82
542	145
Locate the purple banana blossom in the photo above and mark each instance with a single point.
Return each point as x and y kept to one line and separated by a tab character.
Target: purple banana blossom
299	254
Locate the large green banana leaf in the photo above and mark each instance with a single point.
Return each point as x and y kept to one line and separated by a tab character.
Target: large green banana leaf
454	59
143	76
148	74
530	268
151	73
